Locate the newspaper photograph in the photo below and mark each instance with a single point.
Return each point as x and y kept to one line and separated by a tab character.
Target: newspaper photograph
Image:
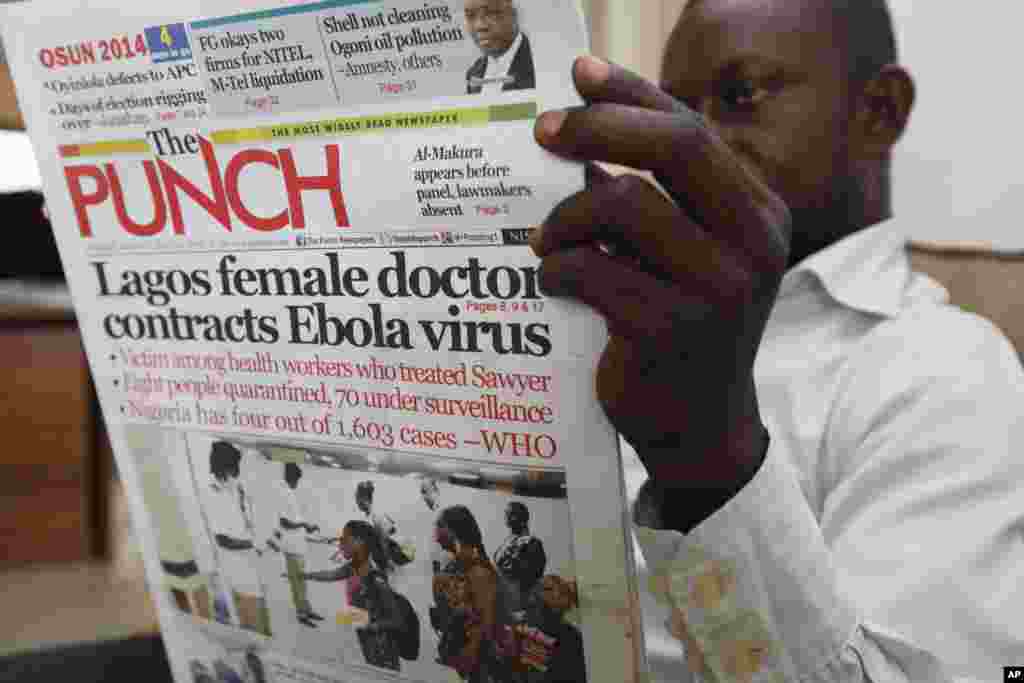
366	557
358	440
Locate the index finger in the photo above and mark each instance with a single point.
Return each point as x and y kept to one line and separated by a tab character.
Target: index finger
692	163
601	81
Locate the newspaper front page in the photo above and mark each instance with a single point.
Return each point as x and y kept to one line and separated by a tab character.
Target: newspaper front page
359	442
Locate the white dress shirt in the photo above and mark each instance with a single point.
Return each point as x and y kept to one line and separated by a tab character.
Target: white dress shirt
882	538
497	67
293	541
230	512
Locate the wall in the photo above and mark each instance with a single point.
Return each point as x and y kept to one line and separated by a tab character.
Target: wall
956	174
632	32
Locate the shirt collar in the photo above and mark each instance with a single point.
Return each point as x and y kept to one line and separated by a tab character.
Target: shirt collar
867	271
502	64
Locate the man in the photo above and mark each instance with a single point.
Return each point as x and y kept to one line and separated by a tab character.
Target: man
231	516
200	672
364	501
254	666
291	533
520	558
400	552
847	508
507	61
225	674
430	492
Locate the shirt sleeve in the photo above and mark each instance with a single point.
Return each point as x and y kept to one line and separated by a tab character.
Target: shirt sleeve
900	567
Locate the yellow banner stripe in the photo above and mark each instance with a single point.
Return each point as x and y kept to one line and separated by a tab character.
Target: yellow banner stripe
380	123
240	135
105	148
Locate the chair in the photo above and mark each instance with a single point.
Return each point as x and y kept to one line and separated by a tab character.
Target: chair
987	283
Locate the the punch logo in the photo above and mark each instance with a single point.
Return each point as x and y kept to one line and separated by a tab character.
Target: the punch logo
168	43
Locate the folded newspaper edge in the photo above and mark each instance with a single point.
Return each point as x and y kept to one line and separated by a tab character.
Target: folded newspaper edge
359	442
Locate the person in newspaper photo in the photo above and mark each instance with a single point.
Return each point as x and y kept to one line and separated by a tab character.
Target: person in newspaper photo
373	606
520	559
200	672
551	649
290	538
399	552
506	62
231	516
834	483
543	646
226	673
431	493
465	598
255	670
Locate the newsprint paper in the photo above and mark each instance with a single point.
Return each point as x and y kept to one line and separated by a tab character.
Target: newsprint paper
359	443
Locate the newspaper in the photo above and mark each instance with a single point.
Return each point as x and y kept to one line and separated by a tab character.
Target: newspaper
359	442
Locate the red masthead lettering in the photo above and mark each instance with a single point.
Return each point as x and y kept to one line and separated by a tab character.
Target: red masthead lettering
234	170
331	182
82	199
216	206
155	226
92	186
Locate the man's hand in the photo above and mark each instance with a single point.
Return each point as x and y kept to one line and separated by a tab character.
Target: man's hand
686	284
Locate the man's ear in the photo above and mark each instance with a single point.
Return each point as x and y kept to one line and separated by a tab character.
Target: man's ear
883	110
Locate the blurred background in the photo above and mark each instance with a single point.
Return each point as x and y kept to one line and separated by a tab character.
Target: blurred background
70	571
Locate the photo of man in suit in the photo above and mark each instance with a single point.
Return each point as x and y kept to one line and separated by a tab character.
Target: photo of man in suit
507	61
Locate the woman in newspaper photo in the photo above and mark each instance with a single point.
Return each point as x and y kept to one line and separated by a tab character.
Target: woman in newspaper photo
465	598
231	516
551	647
365	574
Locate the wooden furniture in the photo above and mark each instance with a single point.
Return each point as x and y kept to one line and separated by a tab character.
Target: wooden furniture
53	454
55	604
980	281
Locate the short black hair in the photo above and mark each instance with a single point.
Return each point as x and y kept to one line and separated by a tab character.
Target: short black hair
368	534
868	35
364	489
462	524
520	510
224	460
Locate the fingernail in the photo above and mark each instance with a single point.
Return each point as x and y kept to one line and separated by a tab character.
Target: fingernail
594	70
535	239
548	125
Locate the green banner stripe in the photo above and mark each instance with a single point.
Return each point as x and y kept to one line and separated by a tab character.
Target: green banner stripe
381	123
513	112
280	12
